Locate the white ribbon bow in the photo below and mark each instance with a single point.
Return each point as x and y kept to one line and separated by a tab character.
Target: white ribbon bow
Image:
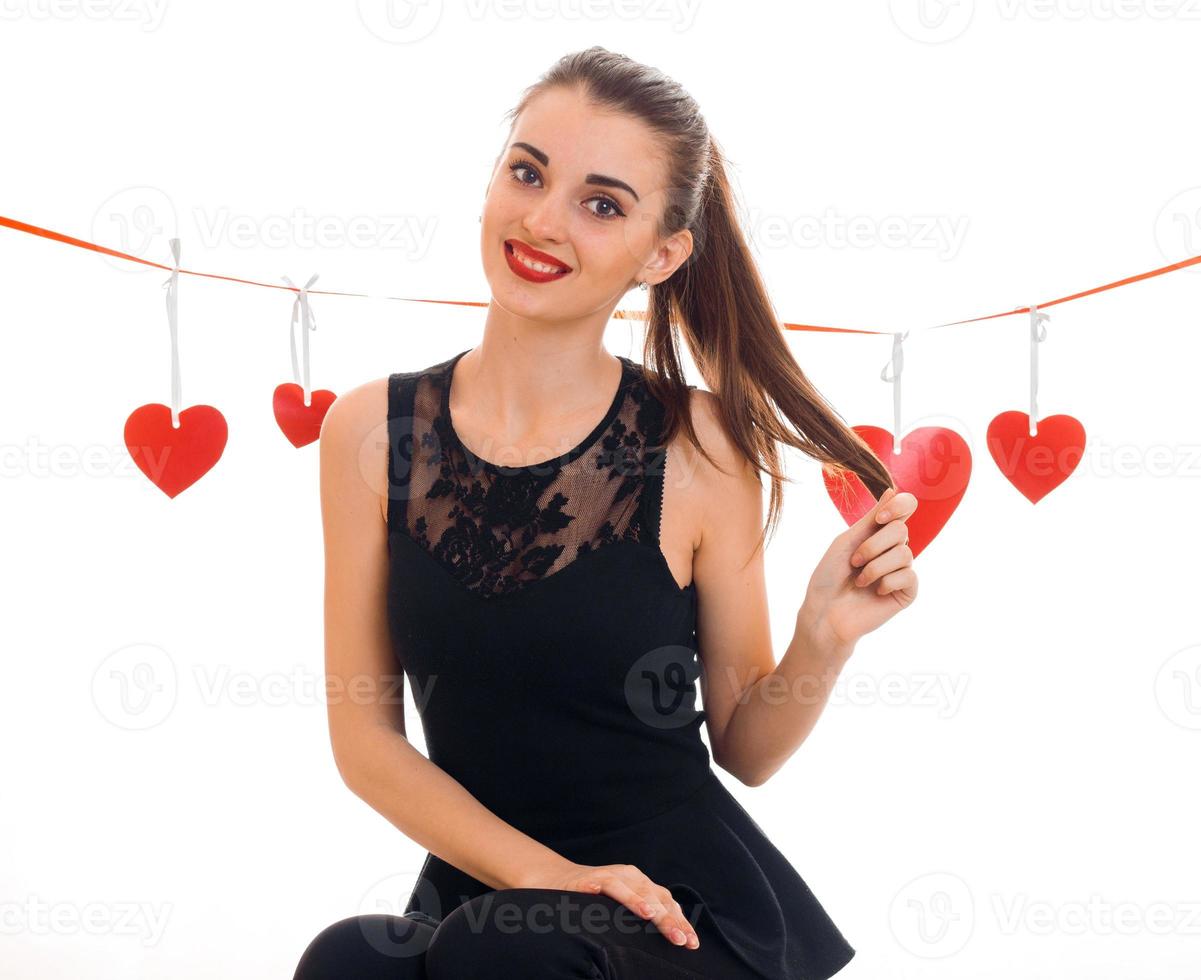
1038	334
897	364
301	308
172	287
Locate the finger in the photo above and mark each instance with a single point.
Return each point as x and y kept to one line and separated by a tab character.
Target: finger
651	906
898	556
631	898
862	529
667	915
690	937
868	520
900	505
902	578
669	918
892	533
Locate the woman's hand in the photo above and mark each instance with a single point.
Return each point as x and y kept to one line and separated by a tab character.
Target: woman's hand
865	577
630	887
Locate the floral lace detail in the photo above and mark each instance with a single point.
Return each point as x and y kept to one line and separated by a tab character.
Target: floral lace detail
497	528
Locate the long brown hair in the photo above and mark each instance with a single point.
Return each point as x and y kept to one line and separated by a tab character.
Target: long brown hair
716	299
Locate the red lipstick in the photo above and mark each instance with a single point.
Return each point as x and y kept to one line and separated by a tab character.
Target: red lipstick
515	245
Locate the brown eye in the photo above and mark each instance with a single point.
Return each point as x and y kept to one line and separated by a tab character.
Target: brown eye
609	202
520	165
525	165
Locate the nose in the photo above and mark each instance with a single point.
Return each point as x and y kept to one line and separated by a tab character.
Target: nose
546	220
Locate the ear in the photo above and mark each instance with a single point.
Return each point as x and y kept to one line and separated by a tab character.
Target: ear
670	255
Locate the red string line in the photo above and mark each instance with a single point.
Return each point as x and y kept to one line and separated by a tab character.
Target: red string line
617	314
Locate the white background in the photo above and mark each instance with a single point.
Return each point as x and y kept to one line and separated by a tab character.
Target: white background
1004	784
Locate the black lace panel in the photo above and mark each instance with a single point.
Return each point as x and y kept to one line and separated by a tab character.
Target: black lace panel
497	528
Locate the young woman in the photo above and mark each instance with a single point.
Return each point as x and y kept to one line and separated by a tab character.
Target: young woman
557	544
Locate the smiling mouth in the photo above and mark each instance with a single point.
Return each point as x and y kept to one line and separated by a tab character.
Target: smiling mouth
534	265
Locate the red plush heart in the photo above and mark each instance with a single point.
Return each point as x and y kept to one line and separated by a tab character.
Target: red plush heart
1036	464
299	423
173	459
934	465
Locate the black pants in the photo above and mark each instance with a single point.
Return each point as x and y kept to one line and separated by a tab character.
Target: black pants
515	934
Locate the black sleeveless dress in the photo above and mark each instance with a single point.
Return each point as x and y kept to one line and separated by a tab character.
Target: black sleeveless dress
552	658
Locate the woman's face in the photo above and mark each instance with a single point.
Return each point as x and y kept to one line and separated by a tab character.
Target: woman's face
586	188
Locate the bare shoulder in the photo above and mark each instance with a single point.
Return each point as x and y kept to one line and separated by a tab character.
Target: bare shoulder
701	490
355	413
727	464
354	443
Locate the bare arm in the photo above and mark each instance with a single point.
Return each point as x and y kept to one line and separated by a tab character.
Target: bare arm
364	682
758	712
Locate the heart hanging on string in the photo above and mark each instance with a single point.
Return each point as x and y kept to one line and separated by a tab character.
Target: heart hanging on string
1036	464
935	465
175	458
300	423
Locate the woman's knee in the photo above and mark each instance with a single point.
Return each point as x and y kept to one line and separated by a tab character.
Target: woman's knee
390	947
503	934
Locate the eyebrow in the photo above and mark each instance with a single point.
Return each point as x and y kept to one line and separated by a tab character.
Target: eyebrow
599	179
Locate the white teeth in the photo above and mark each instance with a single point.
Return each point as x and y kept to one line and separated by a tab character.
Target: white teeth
536	266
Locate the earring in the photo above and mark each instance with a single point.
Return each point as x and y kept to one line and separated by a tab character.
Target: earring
642	285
